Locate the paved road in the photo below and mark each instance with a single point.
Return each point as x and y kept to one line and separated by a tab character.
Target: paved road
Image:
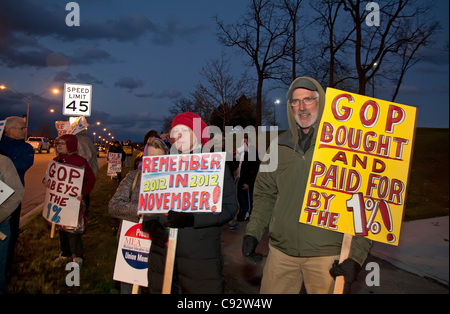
34	190
243	277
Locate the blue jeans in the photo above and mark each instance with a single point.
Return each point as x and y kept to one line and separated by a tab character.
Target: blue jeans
4	228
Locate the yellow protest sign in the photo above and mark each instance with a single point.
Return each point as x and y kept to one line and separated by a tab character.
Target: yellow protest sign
359	175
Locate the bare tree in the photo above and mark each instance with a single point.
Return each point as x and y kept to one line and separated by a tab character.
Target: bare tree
217	92
220	89
180	105
409	52
292	8
376	45
337	34
263	34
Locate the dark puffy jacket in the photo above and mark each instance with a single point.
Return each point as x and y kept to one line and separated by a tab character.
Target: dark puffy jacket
21	154
198	263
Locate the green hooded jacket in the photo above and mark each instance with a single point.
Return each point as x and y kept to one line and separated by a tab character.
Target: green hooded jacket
278	195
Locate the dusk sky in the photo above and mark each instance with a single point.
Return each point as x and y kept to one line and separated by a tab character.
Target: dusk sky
142	56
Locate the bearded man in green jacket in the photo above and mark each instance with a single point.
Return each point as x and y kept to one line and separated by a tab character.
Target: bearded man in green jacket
298	253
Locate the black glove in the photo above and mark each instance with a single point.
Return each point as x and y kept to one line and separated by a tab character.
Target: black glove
249	245
179	219
158	234
349	269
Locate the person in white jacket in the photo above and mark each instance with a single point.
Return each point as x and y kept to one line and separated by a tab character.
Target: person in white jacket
10	177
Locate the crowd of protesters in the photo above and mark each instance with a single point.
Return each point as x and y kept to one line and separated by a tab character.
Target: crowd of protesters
298	254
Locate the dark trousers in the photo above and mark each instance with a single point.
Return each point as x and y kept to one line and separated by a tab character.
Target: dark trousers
71	244
245	198
14	222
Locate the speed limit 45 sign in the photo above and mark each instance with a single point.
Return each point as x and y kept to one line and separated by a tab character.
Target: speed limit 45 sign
77	99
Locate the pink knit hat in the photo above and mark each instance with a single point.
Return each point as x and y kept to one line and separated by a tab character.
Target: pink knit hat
195	123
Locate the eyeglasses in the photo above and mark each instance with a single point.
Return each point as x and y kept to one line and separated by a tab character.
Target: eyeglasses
22	129
308	101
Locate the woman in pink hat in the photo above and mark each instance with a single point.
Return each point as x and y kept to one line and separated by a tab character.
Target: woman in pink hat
198	263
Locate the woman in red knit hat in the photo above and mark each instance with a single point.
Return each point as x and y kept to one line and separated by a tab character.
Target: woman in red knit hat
70	238
189	132
198	263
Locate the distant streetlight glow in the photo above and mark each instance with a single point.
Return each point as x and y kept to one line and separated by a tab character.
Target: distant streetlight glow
54	91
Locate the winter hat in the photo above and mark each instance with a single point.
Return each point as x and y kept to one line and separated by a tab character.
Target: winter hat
301	82
71	142
195	123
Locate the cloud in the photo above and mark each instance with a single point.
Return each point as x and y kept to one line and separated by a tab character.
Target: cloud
34	18
88	55
26	24
176	29
20	50
129	83
168	93
83	78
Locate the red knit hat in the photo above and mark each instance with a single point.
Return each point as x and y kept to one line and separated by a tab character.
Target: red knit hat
195	123
71	142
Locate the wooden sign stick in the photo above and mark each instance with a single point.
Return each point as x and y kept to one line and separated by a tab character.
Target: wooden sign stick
170	260
52	231
135	289
345	251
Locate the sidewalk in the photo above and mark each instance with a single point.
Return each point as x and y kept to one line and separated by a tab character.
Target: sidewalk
419	265
423	249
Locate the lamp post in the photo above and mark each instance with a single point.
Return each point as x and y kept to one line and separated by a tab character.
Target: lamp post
277	102
54	91
373	79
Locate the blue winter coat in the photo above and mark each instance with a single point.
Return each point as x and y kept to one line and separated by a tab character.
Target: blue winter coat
20	153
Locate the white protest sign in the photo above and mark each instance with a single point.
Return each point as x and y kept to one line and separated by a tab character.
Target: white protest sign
188	183
77	99
77	124
5	192
64	184
62	127
114	163
132	255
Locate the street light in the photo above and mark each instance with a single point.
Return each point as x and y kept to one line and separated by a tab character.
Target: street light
374	66
54	91
277	102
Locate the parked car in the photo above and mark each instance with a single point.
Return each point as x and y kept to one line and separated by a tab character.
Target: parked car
100	149
39	143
